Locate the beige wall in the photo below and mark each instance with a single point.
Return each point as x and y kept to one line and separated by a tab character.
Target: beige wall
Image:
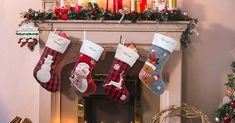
19	93
207	59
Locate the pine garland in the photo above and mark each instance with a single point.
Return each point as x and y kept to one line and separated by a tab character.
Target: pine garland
94	12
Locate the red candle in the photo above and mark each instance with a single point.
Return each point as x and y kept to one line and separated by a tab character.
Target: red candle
120	2
117	4
143	5
107	5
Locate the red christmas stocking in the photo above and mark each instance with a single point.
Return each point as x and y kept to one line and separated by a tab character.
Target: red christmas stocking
44	72
81	74
114	84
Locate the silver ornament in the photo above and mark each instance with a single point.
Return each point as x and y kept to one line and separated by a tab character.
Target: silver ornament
217	120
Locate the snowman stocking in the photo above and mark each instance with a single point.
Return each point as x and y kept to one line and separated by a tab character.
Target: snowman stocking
151	73
114	84
44	72
81	74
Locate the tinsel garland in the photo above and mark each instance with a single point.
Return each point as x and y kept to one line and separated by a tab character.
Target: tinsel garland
94	12
184	111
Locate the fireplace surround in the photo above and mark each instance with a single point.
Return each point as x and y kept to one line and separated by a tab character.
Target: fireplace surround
62	107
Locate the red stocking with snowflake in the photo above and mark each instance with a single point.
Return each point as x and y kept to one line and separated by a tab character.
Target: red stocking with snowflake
114	84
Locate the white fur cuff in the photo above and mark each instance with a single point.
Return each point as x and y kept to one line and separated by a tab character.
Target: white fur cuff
126	55
164	42
91	49
57	42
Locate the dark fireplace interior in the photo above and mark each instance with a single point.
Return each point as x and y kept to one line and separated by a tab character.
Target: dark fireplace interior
99	108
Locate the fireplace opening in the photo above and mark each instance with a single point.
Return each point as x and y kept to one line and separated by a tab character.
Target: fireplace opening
99	108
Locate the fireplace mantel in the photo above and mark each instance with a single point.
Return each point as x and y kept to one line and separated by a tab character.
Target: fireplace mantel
107	34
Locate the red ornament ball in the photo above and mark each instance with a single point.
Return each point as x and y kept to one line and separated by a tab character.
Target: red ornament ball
232	104
227	119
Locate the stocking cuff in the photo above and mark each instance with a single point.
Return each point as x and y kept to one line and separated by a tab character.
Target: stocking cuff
91	49
126	55
57	42
164	42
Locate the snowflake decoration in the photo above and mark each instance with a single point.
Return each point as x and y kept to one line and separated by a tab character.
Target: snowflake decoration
123	97
159	87
164	54
92	62
116	67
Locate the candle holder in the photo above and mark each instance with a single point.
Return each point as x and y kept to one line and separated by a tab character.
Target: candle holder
135	5
172	4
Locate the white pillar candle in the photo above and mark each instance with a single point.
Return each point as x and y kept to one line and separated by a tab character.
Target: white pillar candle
61	3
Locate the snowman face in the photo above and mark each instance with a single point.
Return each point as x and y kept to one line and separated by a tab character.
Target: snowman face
83	69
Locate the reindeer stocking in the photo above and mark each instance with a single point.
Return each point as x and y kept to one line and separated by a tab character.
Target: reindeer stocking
44	72
151	73
114	84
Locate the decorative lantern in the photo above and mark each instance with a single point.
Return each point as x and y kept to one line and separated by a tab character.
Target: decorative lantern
160	5
28	35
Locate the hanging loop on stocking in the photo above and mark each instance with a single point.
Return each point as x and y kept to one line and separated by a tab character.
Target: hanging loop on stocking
157	27
55	30
84	35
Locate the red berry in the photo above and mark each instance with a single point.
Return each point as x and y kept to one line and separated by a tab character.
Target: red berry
232	104
227	119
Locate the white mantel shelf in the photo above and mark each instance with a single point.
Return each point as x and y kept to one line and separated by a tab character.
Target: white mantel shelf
126	26
107	34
